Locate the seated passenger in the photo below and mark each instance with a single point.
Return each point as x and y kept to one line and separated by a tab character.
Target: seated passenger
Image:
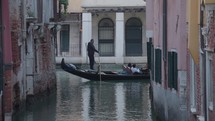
127	69
134	69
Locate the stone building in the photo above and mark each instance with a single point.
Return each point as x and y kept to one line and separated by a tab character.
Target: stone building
118	28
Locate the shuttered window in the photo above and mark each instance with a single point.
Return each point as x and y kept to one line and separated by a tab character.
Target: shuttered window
152	62
149	46
133	37
172	70
40	11
209	79
158	65
193	86
106	37
64	38
1	49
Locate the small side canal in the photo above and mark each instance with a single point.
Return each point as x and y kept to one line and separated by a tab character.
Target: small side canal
77	99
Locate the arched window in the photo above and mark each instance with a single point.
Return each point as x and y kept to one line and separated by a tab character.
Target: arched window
133	37
106	37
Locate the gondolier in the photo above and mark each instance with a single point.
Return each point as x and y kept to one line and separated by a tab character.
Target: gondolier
91	50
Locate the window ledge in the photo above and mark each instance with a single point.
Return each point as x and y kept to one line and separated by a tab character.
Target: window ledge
193	110
210	106
209	50
200	118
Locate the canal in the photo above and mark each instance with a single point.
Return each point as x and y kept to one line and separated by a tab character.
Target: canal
77	99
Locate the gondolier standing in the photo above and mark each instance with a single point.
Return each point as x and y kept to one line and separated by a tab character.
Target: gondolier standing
91	50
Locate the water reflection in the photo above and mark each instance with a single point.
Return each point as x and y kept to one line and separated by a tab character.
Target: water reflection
77	99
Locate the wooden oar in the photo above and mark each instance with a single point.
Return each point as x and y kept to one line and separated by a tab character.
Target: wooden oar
99	69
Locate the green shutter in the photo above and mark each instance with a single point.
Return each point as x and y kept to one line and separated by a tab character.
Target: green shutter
152	62
158	65
170	67
64	38
149	45
175	70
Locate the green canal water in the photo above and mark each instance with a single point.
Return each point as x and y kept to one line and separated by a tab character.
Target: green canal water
78	99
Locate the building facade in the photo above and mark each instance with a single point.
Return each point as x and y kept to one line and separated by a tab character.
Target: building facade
118	28
167	40
27	51
181	38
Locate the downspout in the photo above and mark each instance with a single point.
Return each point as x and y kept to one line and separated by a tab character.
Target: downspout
1	49
55	10
203	60
164	30
1	62
165	40
24	42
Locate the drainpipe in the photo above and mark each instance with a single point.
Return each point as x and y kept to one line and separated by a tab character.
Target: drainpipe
165	40
164	30
1	63
203	61
23	42
1	49
55	10
23	19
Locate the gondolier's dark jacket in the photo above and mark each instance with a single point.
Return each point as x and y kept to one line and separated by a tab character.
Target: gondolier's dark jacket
91	49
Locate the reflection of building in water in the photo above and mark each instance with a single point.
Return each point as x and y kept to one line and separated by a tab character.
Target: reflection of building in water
133	104
116	101
120	102
69	100
101	101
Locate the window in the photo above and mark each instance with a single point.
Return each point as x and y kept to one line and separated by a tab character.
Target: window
1	49
192	86
133	37
209	78
158	65
172	70
106	37
40	11
64	38
152	62
149	46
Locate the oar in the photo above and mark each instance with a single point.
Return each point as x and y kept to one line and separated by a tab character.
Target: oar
99	79
99	69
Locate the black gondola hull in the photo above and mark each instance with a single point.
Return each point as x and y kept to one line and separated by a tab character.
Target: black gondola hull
104	76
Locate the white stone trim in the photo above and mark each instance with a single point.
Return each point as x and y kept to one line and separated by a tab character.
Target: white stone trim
193	110
200	118
119	37
210	7
210	106
86	33
149	33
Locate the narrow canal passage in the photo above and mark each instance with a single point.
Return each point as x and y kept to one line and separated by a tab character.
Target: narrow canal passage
77	99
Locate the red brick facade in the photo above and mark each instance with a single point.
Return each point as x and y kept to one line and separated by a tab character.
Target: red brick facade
211	42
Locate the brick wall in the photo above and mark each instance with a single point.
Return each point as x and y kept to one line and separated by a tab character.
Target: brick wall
46	79
193	116
211	41
7	91
16	41
15	34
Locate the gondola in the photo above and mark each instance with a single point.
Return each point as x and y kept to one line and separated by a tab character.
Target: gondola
103	75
